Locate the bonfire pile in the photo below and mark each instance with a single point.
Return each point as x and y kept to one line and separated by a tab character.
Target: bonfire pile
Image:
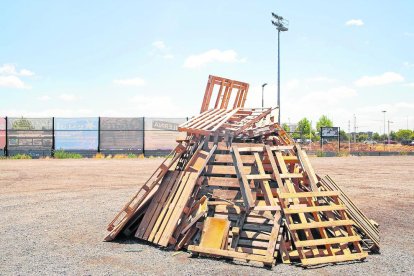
238	187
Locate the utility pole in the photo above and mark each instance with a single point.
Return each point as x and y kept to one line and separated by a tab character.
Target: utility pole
310	136
389	122
384	111
355	129
349	139
263	86
281	26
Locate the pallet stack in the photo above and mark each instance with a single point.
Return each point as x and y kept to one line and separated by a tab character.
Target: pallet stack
238	187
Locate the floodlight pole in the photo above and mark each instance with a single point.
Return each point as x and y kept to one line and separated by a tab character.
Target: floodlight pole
280	26
263	86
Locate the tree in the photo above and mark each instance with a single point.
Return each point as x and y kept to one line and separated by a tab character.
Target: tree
362	137
304	126
286	127
376	137
393	135
324	121
404	134
343	136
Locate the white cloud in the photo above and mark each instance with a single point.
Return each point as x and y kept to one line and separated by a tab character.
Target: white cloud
159	45
12	82
408	34
354	22
10	77
409	84
10	69
214	55
161	49
386	78
44	98
68	97
130	82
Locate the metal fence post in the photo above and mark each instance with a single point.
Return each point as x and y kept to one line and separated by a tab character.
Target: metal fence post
99	134
143	136
6	151
53	137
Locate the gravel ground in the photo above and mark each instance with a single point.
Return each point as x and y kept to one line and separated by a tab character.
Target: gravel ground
54	215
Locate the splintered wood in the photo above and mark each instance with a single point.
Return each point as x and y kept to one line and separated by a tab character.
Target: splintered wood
238	187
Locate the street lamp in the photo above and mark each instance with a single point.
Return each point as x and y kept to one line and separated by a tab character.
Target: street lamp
281	26
263	86
384	111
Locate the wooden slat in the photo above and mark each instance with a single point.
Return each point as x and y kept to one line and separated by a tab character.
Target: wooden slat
330	223
334	259
244	184
327	241
231	254
314	209
308	194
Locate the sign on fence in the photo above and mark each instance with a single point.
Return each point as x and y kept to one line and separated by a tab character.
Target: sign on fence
121	134
2	133
76	133
29	134
161	133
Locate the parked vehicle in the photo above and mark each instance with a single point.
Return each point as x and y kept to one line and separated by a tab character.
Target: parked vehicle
406	142
391	142
370	142
412	143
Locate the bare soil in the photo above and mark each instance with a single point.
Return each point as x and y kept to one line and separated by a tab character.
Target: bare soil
54	214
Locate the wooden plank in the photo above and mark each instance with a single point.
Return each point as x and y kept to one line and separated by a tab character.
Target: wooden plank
254	235
156	204
214	230
231	254
314	209
244	184
334	259
330	223
253	243
227	158
327	241
308	194
225	182
308	168
226	170
257	227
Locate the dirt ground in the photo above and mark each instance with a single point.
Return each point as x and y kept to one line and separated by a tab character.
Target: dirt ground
54	215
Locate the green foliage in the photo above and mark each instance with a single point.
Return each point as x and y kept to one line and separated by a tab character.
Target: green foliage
21	156
393	135
404	134
131	155
61	154
320	154
324	121
286	127
361	137
376	137
344	136
304	126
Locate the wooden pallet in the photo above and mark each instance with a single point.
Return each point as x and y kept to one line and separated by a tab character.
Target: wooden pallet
144	194
362	222
316	224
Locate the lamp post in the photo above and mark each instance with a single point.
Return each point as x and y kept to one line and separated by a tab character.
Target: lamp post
263	86
384	111
281	26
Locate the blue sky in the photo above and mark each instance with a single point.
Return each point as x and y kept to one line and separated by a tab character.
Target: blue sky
153	58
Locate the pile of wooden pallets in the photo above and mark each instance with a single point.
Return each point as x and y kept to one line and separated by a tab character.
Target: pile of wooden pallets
238	187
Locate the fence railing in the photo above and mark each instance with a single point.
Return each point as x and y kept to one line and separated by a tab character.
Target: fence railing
41	137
